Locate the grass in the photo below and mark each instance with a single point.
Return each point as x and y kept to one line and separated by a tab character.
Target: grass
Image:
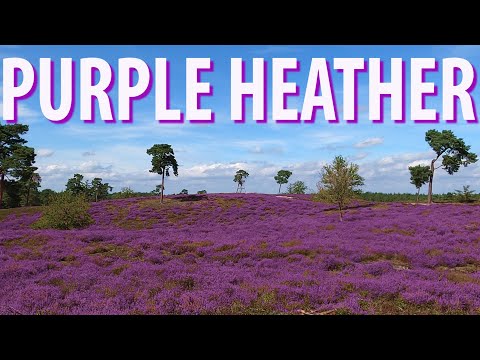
395	305
394	230
114	251
28	242
31	210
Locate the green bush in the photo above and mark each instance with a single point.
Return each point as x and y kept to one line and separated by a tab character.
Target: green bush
66	211
466	195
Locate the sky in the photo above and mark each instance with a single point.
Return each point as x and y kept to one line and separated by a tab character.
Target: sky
210	154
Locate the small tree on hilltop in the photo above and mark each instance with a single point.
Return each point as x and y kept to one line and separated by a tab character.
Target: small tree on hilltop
282	178
163	159
454	151
184	192
339	183
419	176
298	187
240	178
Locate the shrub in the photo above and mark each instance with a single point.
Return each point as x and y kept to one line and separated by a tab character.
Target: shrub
66	211
298	187
124	193
465	195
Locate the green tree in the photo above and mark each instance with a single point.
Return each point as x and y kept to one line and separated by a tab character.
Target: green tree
158	190
76	185
184	192
454	150
163	159
240	178
465	195
13	192
201	192
298	187
46	196
15	157
339	183
99	190
419	176
282	178
125	193
32	183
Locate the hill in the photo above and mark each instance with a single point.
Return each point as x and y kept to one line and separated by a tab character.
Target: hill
244	254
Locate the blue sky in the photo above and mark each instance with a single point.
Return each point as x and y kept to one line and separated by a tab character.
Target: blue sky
210	154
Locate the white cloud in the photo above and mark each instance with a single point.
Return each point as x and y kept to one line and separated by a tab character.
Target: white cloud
420	162
217	169
23	111
359	156
44	152
88	153
369	142
327	138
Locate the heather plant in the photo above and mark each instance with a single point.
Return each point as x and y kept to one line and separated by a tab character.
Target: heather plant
66	211
339	183
199	257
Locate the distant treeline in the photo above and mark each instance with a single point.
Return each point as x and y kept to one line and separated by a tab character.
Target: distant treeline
390	197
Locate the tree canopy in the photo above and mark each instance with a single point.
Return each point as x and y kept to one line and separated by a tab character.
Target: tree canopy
298	187
282	178
239	178
16	159
339	183
453	150
419	176
163	160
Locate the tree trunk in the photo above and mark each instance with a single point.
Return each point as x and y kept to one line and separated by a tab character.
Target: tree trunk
2	181
163	181
28	195
340	209
418	192
430	183
279	188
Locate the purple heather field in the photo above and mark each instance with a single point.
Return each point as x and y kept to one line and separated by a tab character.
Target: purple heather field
244	254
